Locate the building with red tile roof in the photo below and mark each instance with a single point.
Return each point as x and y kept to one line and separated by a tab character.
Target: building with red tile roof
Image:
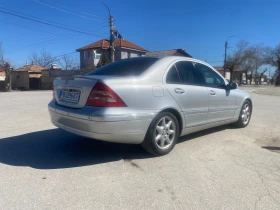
90	54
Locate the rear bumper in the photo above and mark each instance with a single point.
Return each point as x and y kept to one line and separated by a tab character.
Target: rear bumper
109	124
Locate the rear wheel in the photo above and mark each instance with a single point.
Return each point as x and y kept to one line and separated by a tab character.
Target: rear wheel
162	134
245	115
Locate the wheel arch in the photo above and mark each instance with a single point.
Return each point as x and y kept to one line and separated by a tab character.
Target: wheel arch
178	117
250	100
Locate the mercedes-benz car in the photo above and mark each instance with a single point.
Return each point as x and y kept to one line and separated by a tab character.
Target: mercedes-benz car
149	101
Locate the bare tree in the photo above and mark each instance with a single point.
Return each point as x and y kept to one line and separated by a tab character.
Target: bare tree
253	59
2	60
272	57
43	58
7	68
66	62
247	67
76	63
237	57
261	75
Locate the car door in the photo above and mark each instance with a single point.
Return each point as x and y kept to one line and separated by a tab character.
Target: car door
183	83
221	101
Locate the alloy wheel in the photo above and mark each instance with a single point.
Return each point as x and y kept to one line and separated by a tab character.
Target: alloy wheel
245	114
165	132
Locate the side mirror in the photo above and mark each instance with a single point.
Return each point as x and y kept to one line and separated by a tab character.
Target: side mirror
232	86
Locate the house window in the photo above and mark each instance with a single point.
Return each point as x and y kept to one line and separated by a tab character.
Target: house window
88	54
97	56
97	53
124	55
133	55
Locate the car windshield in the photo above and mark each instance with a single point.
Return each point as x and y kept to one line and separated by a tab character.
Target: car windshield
126	67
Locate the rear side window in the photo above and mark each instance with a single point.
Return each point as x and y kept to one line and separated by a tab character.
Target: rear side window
126	67
172	76
187	72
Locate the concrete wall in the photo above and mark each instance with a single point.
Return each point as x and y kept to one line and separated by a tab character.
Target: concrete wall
121	53
20	79
89	61
82	58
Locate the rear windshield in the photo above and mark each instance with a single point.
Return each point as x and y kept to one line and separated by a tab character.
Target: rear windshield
126	67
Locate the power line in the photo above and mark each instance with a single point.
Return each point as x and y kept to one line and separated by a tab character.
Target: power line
62	34
215	61
64	10
32	17
93	15
49	24
27	27
64	54
38	43
76	10
100	27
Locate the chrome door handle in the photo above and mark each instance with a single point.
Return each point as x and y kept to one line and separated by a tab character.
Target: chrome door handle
179	91
212	92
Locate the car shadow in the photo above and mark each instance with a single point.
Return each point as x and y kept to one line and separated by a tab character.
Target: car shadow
55	148
272	148
204	133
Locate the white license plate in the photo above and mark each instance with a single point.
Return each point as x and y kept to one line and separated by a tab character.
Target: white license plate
71	96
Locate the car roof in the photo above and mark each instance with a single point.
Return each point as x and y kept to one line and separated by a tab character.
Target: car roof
171	58
174	58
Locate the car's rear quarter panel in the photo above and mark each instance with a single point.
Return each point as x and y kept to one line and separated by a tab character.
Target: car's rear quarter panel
144	99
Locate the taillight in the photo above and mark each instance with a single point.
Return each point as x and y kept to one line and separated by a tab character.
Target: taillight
103	96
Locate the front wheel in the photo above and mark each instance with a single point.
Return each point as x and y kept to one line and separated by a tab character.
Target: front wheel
245	115
162	134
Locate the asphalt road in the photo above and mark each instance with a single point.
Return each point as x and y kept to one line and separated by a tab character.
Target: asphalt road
42	167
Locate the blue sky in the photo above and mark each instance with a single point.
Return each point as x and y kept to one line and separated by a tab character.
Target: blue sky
198	26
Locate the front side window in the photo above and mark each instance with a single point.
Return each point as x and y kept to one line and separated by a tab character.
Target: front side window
209	77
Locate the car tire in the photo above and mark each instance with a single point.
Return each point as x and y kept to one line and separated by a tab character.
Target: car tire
245	115
162	134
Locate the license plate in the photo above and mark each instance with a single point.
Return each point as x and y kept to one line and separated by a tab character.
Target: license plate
71	96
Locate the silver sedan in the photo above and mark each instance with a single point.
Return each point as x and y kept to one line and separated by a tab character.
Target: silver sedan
149	101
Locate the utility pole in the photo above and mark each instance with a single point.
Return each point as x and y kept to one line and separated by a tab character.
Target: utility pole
225	60
112	28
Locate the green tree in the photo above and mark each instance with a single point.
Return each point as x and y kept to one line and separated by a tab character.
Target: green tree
104	59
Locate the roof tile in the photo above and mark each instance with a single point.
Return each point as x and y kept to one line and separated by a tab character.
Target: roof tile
104	44
31	68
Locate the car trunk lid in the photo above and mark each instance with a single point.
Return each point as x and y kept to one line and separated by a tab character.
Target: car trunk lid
73	91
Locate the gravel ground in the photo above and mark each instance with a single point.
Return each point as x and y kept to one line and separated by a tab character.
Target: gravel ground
262	89
42	167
